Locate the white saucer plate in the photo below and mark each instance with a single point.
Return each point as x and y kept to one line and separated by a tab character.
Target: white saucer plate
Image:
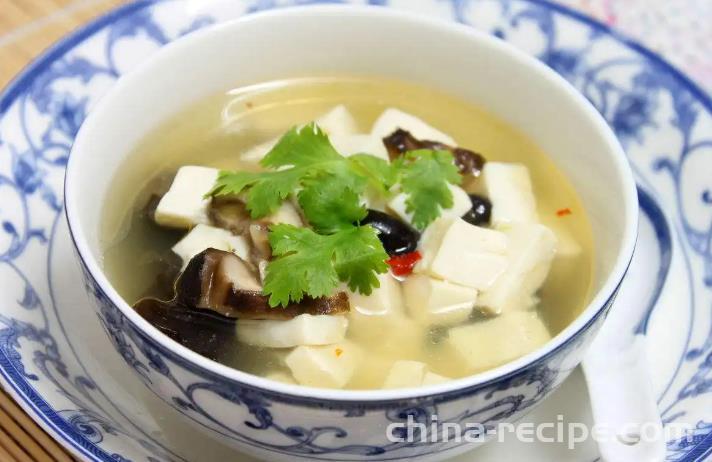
56	361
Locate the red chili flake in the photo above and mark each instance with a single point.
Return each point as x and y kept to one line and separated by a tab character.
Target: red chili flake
338	352
402	265
563	212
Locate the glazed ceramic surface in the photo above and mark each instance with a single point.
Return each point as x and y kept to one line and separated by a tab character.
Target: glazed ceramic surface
663	121
278	420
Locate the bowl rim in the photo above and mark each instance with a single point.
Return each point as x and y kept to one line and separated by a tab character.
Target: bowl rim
316	395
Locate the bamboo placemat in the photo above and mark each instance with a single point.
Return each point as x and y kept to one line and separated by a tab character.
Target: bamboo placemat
29	26
21	440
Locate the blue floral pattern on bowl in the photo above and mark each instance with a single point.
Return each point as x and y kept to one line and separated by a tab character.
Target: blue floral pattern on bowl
260	428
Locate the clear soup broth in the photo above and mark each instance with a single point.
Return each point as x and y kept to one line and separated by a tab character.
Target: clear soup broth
215	131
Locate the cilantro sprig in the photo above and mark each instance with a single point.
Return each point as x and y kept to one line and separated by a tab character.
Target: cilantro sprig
329	204
313	264
328	188
424	178
305	160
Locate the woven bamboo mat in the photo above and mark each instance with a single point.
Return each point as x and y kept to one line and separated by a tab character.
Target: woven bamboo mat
29	26
21	440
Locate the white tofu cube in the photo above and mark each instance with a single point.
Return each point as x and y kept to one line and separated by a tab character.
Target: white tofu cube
305	329
432	378
392	119
279	376
388	333
408	374
430	242
531	249
433	301
405	374
338	121
348	145
567	244
328	366
384	300
203	237
286	213
374	199
256	153
184	205
509	188
463	254
490	343
382	311
461	205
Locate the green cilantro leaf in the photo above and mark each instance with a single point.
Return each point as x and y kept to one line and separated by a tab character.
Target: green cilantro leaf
381	175
299	158
313	264
328	188
359	258
330	204
301	146
266	190
424	177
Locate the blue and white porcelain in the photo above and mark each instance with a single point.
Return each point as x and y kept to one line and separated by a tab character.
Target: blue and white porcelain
55	360
279	421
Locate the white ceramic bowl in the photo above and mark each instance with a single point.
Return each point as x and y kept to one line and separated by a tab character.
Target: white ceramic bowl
278	420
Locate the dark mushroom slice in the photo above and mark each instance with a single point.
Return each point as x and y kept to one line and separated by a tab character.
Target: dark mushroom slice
159	259
254	305
257	235
153	192
149	208
468	162
210	276
480	212
401	141
215	290
396	236
205	333
221	282
229	213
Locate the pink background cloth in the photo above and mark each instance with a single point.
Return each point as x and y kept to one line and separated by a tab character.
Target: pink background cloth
679	30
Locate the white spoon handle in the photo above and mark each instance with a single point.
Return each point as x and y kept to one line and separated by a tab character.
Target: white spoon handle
623	404
616	368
